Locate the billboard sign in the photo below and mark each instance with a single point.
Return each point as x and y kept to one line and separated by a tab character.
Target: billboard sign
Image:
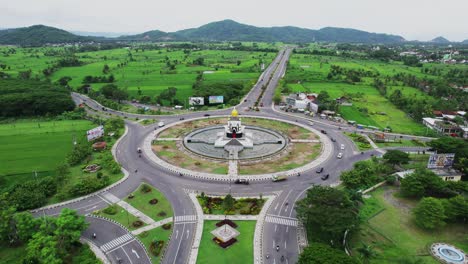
94	133
196	101
217	99
437	161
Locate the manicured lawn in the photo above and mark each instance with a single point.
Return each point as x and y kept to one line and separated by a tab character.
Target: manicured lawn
360	141
401	143
241	252
158	211
121	216
393	235
158	233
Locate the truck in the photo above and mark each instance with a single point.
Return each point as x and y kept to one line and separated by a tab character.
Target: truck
277	178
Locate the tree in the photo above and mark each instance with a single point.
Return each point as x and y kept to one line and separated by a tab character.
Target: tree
105	69
423	182
228	203
366	252
114	123
24	226
318	253
396	157
363	175
456	209
42	248
429	213
68	228
327	213
6	214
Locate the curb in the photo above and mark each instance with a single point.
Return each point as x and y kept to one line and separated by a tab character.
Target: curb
326	152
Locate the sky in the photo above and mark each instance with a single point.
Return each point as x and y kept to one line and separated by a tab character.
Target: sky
412	19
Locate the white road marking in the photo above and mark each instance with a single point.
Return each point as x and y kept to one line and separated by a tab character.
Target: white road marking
176	234
276	227
178	247
287	228
134	252
129	259
116	242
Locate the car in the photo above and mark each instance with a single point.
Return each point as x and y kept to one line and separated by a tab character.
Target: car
311	123
333	139
242	181
161	124
181	118
206	115
319	170
342	146
340	155
325	177
277	178
323	132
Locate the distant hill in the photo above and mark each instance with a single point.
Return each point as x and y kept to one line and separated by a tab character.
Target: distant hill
226	30
465	41
38	35
440	40
100	34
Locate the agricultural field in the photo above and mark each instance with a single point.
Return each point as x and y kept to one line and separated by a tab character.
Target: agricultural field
144	71
308	73
30	145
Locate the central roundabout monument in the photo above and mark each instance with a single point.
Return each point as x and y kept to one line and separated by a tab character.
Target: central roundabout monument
234	140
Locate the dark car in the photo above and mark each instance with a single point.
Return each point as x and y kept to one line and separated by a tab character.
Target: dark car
206	115
333	140
242	181
325	177
323	131
181	118
319	170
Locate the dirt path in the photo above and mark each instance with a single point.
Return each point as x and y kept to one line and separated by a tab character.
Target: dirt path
390	198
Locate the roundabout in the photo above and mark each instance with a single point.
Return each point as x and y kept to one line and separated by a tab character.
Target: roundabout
263	148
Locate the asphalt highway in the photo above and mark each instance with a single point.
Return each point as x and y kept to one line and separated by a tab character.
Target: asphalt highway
277	231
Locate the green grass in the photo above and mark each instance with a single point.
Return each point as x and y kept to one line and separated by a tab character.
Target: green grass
393	235
155	234
29	145
401	143
241	252
122	216
11	255
359	140
141	202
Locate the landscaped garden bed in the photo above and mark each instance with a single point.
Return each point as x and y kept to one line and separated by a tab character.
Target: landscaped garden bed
243	206
151	202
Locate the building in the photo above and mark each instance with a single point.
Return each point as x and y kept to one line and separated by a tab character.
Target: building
442	126
302	102
445	174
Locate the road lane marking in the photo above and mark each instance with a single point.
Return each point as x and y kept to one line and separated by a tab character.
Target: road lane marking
178	247
281	220
127	256
116	242
134	252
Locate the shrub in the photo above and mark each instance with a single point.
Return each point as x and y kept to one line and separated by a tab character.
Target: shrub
167	226
153	201
137	223
162	213
156	247
145	188
111	210
144	234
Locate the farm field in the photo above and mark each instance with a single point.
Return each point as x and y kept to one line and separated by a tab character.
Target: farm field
308	73
144	71
30	145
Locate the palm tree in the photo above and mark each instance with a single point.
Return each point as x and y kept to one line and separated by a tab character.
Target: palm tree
367	252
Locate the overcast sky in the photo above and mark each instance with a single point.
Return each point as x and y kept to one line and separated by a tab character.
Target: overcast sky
412	19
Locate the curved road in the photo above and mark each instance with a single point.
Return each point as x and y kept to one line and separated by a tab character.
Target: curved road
277	231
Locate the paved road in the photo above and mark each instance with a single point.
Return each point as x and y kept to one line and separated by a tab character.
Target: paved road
280	227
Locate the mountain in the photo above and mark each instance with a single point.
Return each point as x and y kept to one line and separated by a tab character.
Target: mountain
229	30
440	40
225	30
38	35
465	41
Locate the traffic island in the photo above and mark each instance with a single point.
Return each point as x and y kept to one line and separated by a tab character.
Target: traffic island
226	233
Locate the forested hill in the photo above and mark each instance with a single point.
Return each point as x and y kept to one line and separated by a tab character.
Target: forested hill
226	30
229	30
38	35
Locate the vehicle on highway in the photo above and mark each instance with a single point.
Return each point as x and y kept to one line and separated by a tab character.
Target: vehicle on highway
340	155
323	132
242	181
342	146
311	123
277	178
206	115
333	139
161	124
325	177
138	150
320	170
181	118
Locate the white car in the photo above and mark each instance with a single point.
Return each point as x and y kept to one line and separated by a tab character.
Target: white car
342	146
340	155
161	124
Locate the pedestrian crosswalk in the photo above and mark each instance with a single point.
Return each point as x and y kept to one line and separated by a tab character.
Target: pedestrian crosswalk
116	242
281	220
185	218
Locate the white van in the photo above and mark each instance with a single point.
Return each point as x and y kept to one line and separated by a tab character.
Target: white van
161	124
